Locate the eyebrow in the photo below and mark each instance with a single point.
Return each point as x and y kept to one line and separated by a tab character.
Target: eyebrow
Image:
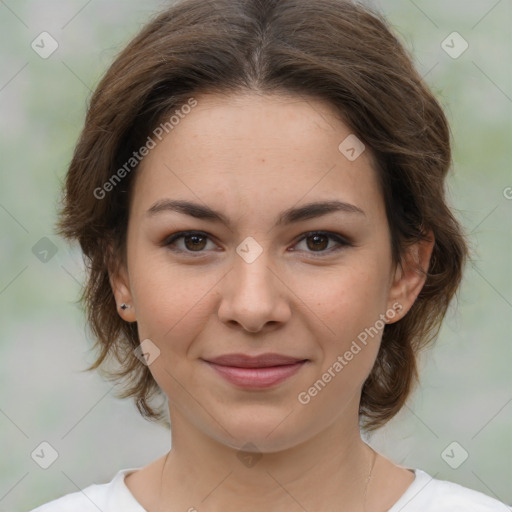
289	216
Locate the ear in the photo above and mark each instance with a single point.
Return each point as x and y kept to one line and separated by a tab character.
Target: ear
409	277
120	284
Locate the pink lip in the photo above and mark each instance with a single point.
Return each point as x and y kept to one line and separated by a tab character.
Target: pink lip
256	372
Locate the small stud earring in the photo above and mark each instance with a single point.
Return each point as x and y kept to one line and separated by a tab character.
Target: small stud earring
125	306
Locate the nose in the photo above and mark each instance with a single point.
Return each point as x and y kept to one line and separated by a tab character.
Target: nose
254	296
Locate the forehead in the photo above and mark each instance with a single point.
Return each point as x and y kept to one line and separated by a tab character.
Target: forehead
257	148
257	125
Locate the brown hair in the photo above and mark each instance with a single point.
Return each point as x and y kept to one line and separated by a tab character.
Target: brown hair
332	50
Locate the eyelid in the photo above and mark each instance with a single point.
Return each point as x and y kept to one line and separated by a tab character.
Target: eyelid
338	238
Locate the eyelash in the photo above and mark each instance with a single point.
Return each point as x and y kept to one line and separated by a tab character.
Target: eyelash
170	240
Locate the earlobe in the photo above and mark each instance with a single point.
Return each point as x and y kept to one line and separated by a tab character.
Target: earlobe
120	284
410	276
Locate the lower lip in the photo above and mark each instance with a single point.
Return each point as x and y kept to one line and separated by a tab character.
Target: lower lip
257	378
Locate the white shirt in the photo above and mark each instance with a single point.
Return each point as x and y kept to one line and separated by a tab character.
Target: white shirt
425	494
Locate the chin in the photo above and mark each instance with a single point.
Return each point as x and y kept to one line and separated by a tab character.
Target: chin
261	433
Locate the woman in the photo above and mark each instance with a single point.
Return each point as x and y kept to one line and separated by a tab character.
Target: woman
259	193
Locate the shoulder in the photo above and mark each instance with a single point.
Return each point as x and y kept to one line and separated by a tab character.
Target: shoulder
84	501
107	497
91	499
426	494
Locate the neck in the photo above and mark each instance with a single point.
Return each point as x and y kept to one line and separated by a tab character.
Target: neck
319	474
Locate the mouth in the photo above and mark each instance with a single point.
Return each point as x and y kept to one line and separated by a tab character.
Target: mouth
255	372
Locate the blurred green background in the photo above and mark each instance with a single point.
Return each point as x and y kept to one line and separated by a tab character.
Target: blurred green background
465	394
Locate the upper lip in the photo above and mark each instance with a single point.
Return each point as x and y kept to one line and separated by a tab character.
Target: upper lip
261	361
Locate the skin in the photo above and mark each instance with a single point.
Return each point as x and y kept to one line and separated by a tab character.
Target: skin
250	157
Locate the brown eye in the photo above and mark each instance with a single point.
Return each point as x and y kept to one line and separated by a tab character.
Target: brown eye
193	242
318	242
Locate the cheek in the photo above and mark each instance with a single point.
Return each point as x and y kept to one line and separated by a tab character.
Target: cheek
348	299
172	309
171	301
351	306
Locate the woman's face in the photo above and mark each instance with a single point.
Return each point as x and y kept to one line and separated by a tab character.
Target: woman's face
259	281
